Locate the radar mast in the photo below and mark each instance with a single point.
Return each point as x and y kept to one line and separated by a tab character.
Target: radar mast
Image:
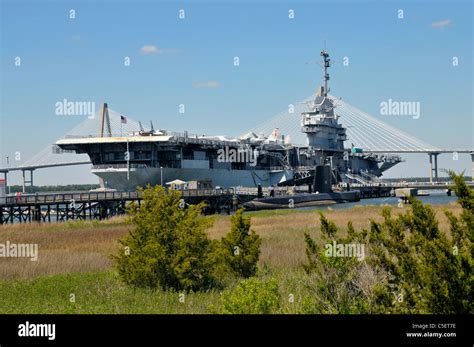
327	64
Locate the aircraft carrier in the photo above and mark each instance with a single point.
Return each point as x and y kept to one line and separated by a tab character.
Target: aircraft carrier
160	156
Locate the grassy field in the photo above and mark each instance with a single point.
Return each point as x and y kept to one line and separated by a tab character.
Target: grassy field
74	258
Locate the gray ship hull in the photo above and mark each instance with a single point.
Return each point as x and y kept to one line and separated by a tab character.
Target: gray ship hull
120	180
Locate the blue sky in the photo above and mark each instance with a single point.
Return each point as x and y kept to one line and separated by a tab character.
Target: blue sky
82	59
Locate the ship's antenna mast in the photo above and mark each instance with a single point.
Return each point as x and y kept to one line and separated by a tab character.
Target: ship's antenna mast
325	56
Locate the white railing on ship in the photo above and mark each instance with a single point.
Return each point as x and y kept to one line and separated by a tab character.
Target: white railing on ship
119	166
265	190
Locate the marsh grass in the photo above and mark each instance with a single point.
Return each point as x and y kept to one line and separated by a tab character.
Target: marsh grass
95	292
74	257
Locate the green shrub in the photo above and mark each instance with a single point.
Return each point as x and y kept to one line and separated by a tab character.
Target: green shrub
240	248
429	271
251	296
410	265
168	246
338	284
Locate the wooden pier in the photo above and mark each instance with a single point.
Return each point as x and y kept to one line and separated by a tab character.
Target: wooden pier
24	208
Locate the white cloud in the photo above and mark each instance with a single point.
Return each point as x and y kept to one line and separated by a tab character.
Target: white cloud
208	84
150	49
441	24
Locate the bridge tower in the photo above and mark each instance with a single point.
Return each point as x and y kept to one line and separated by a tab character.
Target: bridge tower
104	121
27	182
433	168
472	166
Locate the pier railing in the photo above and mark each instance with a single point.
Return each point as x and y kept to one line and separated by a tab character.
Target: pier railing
61	198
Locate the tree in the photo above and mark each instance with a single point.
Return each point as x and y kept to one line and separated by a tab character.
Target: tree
417	267
168	246
241	246
339	284
432	271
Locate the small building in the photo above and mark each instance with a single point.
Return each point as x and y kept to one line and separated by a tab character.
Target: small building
405	192
203	184
177	184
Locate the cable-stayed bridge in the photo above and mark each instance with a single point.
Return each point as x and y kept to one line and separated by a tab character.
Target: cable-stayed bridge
363	131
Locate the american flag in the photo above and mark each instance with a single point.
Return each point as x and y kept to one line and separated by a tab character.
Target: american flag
123	119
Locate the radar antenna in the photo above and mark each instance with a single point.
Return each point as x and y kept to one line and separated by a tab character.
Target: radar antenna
327	64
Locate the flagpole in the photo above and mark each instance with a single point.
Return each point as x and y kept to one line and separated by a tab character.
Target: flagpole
128	161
